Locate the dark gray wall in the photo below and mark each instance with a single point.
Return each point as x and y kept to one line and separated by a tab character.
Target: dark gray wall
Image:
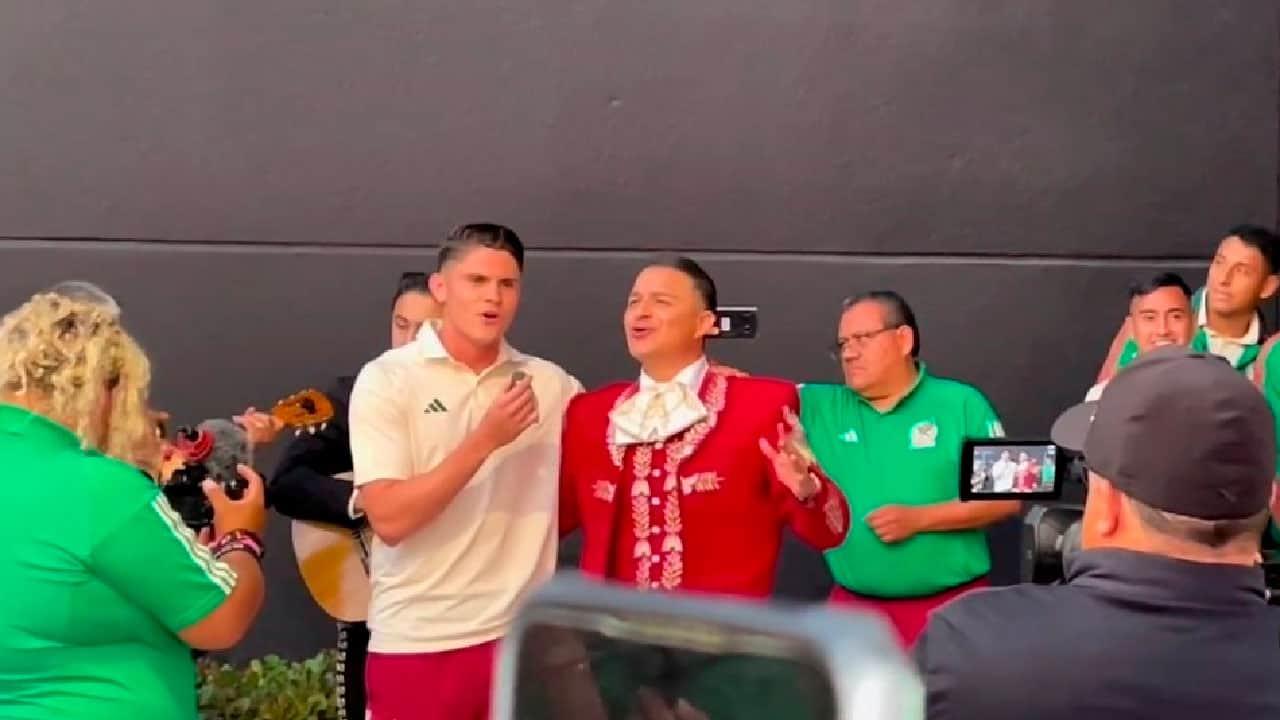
251	179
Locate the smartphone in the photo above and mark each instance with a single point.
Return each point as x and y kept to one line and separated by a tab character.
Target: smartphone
736	322
1002	469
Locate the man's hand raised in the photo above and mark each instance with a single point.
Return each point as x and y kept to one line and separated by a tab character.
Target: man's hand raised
789	458
515	411
261	428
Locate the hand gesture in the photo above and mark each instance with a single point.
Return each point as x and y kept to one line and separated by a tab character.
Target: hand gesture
790	458
894	523
515	411
262	428
247	513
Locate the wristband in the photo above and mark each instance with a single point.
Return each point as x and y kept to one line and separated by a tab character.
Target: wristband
245	540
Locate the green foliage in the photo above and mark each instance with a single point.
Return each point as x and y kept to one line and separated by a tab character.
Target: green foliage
269	688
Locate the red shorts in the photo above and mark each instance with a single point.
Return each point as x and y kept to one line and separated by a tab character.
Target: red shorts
449	685
907	615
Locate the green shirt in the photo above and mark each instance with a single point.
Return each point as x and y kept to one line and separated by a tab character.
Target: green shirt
1271	391
909	455
99	576
1199	341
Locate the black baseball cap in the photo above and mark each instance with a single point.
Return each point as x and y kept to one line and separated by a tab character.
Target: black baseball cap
1179	431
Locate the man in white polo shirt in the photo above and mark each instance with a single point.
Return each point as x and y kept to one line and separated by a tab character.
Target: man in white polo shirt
455	439
1003	473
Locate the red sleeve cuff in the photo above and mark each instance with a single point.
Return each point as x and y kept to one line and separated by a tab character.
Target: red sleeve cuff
835	509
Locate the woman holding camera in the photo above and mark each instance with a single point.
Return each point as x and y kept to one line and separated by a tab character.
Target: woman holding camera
106	591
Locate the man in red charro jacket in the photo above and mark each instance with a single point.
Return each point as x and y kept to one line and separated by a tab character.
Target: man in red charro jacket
685	479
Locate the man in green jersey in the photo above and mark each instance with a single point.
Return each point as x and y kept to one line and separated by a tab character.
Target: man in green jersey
1242	275
1228	322
1267	377
1160	314
890	437
105	591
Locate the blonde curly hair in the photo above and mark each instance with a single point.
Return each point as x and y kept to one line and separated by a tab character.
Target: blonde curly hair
63	356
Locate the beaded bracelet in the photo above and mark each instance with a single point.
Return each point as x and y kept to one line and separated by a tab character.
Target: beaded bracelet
245	540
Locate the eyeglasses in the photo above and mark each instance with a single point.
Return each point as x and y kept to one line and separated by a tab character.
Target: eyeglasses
859	340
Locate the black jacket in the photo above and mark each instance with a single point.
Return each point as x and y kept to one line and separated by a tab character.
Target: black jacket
1129	636
302	486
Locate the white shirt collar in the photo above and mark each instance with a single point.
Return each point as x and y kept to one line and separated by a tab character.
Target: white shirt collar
1250	338
430	347
691	376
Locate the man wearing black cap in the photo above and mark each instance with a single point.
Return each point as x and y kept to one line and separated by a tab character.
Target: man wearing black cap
1164	612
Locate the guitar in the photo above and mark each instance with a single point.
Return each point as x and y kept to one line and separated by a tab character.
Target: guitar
309	411
333	560
334	564
306	411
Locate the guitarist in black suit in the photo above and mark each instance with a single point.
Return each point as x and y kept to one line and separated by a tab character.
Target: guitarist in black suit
303	486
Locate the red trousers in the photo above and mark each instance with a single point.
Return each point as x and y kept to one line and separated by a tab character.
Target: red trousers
449	685
907	615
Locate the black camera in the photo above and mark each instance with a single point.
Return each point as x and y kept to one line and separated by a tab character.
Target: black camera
210	451
1000	469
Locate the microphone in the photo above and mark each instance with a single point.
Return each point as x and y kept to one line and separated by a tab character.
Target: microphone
230	448
211	451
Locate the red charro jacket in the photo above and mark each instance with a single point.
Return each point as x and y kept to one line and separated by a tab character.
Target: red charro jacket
702	511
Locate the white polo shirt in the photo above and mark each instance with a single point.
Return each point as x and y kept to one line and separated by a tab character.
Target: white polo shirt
457	581
1223	346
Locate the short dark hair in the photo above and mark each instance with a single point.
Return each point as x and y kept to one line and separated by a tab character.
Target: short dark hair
473	235
1261	239
897	313
1142	288
410	282
1209	533
702	281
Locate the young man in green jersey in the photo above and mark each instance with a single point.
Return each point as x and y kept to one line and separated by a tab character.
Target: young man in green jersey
1160	315
1242	275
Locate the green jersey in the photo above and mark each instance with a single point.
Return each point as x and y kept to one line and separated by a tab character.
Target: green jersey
1268	379
100	575
908	455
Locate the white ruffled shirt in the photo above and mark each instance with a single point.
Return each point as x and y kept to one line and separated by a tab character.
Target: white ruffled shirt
658	411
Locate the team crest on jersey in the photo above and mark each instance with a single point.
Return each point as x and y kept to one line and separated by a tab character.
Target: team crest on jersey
849	436
924	434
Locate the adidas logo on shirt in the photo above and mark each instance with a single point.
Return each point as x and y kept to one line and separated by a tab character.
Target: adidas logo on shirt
436	406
